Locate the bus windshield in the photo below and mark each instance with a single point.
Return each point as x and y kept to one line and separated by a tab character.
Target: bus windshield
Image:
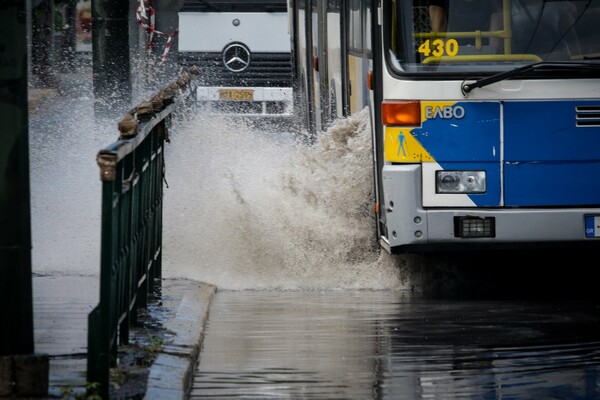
489	36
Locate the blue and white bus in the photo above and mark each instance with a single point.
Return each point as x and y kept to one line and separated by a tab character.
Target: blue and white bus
485	114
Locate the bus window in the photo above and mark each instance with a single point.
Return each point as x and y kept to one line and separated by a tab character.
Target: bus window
465	24
545	28
367	29
355	27
490	35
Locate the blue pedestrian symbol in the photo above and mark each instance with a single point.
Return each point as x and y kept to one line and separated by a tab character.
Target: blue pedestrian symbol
401	146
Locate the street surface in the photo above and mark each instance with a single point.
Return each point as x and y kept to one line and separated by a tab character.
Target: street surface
306	305
457	334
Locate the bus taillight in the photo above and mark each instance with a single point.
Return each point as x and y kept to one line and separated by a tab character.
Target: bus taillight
401	113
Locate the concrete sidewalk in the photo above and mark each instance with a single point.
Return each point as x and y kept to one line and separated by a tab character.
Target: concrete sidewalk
61	305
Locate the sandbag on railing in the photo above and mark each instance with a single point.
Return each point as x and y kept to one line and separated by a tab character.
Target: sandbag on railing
132	175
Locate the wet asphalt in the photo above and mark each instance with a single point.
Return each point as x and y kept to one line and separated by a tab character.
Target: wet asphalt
61	306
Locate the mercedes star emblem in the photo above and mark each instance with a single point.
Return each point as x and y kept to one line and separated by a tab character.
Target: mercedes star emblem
236	57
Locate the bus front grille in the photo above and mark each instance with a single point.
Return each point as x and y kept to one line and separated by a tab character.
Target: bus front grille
264	70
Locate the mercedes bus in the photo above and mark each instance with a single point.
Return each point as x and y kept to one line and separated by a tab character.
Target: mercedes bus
243	51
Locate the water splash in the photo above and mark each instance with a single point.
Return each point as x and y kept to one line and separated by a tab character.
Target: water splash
65	134
245	207
64	138
255	209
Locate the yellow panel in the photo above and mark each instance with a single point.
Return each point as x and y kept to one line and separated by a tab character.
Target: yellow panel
354	69
401	146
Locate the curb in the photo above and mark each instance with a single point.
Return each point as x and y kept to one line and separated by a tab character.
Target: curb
172	371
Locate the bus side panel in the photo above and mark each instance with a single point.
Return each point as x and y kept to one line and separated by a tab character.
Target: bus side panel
549	159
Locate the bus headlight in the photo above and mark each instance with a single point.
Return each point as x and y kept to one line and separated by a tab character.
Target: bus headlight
460	181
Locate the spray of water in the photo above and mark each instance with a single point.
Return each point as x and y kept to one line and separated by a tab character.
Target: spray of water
256	209
245	207
64	138
65	134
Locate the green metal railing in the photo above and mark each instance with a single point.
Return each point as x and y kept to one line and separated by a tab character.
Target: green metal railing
132	175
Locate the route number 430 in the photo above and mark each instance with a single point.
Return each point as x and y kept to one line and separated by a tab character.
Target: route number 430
438	48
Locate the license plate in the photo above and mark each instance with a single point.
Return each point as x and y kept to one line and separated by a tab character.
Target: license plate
592	226
236	94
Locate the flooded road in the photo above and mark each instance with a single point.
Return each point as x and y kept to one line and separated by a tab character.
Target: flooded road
307	306
397	344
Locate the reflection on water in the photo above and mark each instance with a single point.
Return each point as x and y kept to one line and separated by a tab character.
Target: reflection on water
362	344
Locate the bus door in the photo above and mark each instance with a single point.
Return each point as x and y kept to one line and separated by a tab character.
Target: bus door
331	66
358	55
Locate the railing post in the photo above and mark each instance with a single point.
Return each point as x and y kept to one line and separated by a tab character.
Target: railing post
99	322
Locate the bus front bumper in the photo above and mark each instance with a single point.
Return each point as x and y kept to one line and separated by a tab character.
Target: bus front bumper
408	224
246	101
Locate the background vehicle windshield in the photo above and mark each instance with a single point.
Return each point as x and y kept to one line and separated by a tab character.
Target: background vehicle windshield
234	6
489	35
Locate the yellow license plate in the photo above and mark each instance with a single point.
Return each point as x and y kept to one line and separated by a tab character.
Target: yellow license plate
236	94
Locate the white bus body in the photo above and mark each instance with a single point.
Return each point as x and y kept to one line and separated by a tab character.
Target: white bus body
243	51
